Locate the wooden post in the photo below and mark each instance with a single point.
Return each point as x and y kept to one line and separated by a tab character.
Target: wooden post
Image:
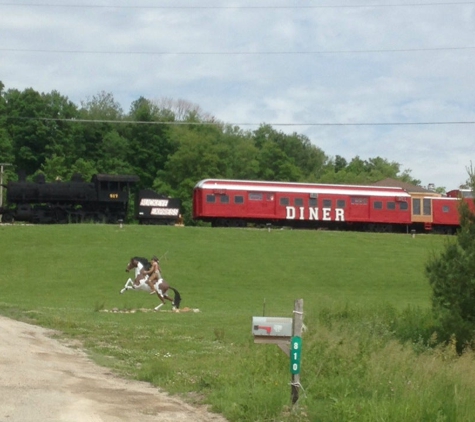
297	325
1	185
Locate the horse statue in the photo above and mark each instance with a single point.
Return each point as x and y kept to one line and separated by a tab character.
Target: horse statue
140	283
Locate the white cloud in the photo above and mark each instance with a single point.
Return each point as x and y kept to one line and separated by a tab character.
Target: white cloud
350	78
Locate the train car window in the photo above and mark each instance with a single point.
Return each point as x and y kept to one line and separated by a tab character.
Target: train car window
210	198
327	203
378	205
270	196
390	205
403	206
340	203
312	202
255	196
238	199
358	200
224	199
298	202
446	209
427	206
284	201
416	206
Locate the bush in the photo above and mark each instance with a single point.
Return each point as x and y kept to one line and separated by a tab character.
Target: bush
451	275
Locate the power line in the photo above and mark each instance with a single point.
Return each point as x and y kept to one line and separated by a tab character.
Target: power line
341	6
235	53
217	123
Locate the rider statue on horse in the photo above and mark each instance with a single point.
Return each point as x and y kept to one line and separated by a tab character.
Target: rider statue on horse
154	275
148	278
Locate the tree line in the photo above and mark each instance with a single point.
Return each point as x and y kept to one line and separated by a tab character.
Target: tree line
170	144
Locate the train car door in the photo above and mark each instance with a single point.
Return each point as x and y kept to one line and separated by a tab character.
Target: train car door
359	209
422	210
261	204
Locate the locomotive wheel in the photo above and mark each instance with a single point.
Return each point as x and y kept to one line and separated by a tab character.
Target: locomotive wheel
7	218
61	217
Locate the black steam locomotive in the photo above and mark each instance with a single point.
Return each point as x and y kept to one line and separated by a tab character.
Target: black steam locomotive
104	199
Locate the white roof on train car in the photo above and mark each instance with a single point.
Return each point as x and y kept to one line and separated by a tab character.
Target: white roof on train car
293	187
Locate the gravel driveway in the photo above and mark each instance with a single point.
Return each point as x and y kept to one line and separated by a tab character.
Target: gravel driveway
43	380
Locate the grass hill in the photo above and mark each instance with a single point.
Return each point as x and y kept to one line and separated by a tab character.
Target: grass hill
366	354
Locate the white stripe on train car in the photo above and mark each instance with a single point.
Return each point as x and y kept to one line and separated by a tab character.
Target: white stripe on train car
307	189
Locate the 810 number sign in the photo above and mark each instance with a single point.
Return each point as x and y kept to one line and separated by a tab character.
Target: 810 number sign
295	354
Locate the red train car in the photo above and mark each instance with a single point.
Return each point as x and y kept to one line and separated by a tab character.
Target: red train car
237	203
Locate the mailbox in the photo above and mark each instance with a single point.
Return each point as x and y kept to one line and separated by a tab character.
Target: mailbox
272	327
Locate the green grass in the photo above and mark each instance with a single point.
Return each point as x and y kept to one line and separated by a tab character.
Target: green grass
366	305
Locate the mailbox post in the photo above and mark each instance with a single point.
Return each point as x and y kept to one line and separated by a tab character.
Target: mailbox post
287	334
296	351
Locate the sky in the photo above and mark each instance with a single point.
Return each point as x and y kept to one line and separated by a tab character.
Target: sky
368	78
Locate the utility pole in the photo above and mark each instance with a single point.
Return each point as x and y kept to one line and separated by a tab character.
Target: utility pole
2	165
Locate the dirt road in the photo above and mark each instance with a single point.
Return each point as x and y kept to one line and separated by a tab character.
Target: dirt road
43	380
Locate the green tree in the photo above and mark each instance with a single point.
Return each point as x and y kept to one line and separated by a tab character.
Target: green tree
340	163
115	154
60	140
240	155
451	275
6	145
297	160
102	112
196	158
102	106
55	168
34	127
150	144
274	164
83	167
359	171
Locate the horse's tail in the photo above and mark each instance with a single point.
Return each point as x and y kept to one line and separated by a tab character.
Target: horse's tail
177	298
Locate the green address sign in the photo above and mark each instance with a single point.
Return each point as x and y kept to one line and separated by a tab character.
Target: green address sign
295	354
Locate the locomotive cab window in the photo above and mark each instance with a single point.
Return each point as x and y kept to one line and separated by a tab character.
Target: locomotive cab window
239	199
108	185
210	199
